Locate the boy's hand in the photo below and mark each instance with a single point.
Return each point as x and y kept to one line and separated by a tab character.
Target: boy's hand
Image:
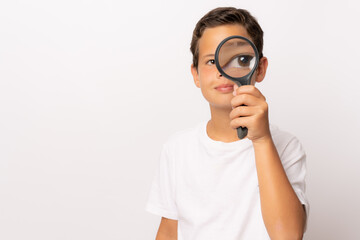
254	115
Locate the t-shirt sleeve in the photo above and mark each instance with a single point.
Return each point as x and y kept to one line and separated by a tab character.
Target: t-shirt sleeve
294	162
161	199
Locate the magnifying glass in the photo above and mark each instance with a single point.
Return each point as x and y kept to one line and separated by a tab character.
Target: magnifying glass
237	58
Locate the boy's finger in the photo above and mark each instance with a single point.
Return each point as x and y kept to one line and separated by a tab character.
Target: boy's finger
240	122
249	89
242	111
246	99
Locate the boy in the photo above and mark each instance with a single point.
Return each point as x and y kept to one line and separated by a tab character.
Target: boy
210	184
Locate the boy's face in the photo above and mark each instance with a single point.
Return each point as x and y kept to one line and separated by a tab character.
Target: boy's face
216	89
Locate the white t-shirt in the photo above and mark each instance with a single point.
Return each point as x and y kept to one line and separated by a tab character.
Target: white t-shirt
211	187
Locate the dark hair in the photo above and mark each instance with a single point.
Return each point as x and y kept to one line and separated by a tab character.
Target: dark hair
222	16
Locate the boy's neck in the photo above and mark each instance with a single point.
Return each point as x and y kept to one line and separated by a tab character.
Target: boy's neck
218	128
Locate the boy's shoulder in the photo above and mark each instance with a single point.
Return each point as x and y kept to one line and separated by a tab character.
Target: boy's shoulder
184	135
285	141
279	134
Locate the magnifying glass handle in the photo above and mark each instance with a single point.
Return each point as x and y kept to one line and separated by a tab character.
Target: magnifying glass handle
242	132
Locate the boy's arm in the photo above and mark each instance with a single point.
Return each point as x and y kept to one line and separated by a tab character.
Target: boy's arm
167	229
282	212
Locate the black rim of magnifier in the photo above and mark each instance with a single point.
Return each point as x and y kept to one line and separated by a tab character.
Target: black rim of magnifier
246	77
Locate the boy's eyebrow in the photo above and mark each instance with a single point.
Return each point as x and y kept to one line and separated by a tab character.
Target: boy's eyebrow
236	43
208	55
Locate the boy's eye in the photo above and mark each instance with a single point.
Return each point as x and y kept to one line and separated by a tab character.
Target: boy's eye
211	62
240	61
244	60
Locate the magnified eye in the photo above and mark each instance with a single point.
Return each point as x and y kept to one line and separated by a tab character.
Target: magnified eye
243	60
239	65
240	61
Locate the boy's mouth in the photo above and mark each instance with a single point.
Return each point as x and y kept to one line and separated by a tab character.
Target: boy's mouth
225	88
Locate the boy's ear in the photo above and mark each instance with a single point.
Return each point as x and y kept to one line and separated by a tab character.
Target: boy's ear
195	75
261	71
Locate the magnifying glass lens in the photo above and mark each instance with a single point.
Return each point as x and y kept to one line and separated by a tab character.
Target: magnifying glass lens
237	57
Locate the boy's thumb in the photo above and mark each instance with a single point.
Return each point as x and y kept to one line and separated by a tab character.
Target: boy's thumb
235	87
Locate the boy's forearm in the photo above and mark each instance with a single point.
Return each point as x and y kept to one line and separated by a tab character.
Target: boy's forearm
167	229
161	236
283	214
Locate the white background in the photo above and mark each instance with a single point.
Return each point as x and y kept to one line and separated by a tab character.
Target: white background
89	91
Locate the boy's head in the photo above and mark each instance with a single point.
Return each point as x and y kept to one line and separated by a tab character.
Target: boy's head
226	16
208	33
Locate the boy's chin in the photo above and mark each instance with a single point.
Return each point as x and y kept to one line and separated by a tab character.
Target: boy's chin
220	102
221	106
